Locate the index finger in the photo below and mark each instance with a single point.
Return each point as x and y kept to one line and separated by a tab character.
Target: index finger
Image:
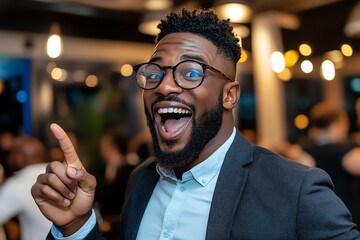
71	157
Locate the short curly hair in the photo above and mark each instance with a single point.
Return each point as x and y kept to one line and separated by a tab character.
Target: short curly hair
205	23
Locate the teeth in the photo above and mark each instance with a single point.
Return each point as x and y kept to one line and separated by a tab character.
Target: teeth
173	110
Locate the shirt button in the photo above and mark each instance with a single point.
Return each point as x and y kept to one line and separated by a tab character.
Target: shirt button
166	234
204	181
182	188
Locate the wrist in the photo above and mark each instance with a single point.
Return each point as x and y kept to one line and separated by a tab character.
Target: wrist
74	226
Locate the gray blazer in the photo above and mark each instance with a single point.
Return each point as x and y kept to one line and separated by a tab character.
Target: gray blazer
258	195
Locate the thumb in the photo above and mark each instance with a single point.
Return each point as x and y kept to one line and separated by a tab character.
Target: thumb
86	181
71	157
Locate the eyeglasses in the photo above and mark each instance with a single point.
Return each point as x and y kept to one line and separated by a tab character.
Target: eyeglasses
188	74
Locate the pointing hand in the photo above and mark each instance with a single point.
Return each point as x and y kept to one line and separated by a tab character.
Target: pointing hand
65	192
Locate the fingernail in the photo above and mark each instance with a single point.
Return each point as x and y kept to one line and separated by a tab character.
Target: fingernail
66	202
72	171
71	195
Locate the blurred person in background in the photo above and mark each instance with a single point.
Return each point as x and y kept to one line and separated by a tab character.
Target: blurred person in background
28	155
6	142
294	151
141	146
335	152
110	191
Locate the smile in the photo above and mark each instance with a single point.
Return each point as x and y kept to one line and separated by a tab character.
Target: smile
172	121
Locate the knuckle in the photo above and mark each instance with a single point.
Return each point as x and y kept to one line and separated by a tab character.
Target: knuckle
51	177
44	189
51	167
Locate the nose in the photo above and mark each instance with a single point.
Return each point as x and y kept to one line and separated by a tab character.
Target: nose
168	85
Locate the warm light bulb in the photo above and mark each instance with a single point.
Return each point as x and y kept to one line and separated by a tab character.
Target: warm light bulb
346	50
306	66
91	81
305	49
238	13
301	121
277	62
291	57
328	70
126	70
54	46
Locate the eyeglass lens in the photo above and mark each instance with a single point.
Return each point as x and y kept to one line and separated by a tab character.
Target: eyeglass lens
187	74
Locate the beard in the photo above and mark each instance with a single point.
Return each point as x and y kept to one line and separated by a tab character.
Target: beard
203	131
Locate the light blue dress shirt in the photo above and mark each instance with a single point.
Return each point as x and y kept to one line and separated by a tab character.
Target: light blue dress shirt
177	209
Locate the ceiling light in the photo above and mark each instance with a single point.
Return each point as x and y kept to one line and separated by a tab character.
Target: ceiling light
236	11
54	46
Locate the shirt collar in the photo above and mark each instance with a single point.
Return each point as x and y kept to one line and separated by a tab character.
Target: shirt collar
204	171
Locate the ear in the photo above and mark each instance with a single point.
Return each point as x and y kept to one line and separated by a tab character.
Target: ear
231	95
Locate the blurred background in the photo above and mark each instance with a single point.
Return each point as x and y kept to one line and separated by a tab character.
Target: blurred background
295	53
70	62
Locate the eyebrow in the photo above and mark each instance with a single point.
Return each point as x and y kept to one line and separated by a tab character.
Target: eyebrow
184	57
155	59
193	57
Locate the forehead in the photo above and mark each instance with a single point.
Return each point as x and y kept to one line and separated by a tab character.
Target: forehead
178	44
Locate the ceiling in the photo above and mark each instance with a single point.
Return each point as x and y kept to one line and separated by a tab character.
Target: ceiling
321	21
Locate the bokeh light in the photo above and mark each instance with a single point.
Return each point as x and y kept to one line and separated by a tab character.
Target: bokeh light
291	57
306	66
301	121
126	70
328	70
91	81
346	50
277	62
305	49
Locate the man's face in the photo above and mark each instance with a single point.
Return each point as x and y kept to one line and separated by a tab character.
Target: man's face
181	136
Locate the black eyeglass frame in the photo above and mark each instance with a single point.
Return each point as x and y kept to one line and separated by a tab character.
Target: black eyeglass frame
173	68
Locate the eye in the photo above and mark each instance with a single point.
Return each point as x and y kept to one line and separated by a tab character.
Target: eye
193	74
154	76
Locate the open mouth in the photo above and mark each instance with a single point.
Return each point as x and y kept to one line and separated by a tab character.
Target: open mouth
172	121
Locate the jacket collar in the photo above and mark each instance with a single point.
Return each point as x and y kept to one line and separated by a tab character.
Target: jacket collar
229	188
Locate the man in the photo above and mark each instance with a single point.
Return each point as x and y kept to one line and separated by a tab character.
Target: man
206	180
29	156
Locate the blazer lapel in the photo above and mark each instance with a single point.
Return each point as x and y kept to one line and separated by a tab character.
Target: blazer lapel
139	201
229	187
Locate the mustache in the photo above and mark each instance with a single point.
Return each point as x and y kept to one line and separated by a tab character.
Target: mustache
172	98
